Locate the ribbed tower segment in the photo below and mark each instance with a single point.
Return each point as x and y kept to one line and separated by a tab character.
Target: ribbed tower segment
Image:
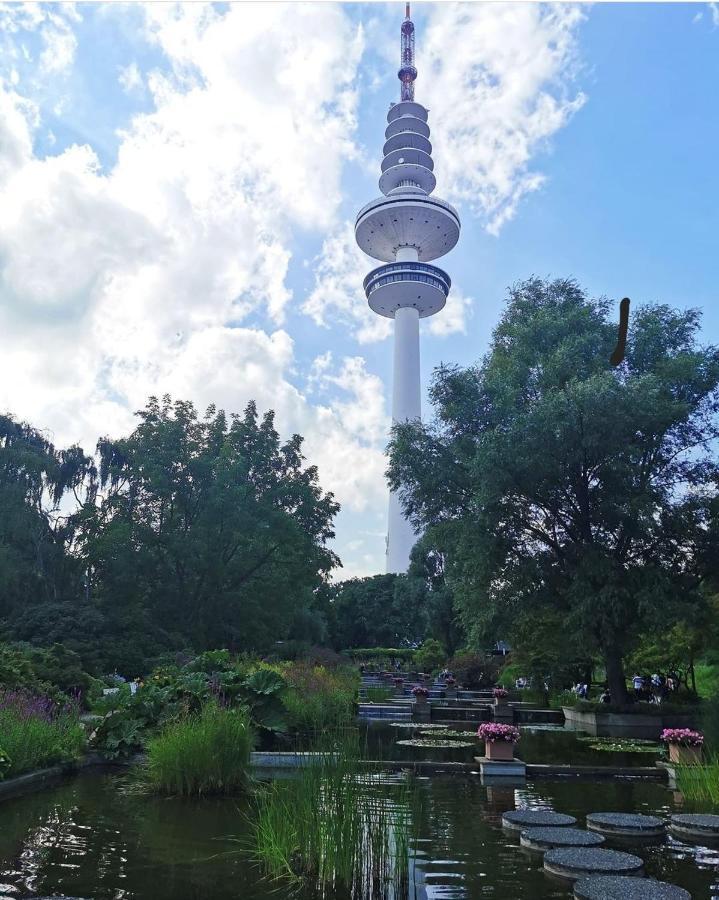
406	229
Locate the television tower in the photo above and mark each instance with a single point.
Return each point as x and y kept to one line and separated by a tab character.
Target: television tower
406	228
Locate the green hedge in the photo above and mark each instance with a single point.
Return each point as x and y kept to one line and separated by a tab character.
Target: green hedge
379	653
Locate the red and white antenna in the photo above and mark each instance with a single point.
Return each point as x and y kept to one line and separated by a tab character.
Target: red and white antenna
407	73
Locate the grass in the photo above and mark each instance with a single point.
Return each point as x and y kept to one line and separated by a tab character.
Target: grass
206	753
700	783
35	734
336	827
318	699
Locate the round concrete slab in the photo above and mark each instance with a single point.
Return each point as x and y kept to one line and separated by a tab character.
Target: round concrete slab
695	827
519	819
626	825
575	863
542	839
622	887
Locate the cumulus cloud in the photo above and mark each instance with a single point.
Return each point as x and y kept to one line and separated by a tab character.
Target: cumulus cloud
130	77
497	80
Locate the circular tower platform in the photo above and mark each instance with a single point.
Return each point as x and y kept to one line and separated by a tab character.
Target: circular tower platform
413	284
407	220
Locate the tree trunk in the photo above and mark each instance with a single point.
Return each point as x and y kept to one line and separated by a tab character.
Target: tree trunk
615	676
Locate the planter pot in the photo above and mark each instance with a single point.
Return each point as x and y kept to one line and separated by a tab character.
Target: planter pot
450	693
499	750
500	701
420	701
685	756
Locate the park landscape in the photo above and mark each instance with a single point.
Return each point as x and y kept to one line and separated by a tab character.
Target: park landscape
206	690
175	650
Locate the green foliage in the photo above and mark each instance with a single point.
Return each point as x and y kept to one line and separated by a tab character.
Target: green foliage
204	753
431	655
475	671
318	699
380	610
5	763
52	671
381	654
323	827
34	741
562	698
550	480
700	784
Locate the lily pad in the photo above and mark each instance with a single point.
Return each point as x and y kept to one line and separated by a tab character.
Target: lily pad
448	733
621	745
418	726
435	742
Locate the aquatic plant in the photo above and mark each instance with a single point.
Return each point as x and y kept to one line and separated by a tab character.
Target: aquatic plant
318	699
205	753
699	783
441	742
336	828
448	733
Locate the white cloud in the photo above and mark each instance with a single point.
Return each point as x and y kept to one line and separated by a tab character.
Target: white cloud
496	80
453	318
714	9
338	297
130	77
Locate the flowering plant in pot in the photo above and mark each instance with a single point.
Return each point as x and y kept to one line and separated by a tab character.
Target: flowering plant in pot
685	745
420	694
500	695
499	740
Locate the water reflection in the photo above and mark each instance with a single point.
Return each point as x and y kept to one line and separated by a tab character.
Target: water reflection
86	839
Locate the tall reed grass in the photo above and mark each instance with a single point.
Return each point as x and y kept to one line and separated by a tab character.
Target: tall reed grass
36	732
700	783
337	827
206	753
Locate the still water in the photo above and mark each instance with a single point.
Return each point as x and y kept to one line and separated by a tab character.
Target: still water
85	838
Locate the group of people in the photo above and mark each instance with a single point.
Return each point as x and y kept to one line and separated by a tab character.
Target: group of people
654	688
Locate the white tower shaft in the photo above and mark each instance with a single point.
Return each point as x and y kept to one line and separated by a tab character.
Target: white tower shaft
406	406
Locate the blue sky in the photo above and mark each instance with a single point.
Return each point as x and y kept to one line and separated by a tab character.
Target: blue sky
177	186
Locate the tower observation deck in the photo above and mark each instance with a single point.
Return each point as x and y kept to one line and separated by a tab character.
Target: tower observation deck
406	228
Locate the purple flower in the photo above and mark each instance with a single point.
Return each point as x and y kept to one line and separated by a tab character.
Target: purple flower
491	732
684	736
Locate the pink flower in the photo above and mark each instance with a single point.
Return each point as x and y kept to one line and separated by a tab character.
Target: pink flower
500	692
420	691
492	732
684	736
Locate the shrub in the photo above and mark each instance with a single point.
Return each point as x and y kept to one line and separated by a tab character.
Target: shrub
317	698
474	670
37	732
431	655
205	753
378	694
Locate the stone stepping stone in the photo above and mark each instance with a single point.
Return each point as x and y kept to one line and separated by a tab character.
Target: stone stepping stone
519	819
695	827
542	839
621	887
577	862
626	825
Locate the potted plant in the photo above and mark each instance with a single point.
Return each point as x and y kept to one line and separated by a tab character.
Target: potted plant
500	696
420	695
450	688
685	745
398	686
499	740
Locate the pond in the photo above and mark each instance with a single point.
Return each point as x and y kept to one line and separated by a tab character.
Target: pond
538	744
85	838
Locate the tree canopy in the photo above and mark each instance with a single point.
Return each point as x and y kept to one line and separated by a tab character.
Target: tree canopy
551	482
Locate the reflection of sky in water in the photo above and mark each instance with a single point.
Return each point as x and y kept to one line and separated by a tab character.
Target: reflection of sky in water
84	839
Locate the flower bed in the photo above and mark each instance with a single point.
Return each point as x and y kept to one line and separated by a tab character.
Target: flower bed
494	732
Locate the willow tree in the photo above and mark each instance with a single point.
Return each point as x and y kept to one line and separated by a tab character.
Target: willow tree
560	488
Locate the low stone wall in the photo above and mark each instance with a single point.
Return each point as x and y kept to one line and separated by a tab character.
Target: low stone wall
625	725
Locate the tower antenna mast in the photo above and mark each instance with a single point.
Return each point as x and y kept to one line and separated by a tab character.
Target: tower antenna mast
407	73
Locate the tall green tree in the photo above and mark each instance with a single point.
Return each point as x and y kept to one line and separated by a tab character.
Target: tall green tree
35	538
553	481
210	532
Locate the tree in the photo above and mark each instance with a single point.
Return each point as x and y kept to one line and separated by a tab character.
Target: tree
378	611
554	481
210	533
35	539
